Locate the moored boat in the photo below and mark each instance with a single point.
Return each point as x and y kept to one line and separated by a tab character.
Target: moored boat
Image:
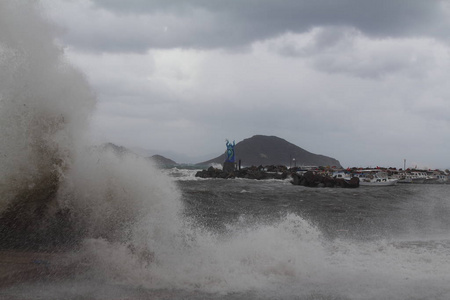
374	178
405	179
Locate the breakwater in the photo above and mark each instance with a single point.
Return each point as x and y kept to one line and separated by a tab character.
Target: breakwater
312	179
258	173
308	179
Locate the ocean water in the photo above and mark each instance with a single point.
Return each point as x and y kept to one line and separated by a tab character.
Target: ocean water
128	230
245	239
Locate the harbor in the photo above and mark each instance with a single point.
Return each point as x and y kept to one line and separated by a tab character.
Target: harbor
313	176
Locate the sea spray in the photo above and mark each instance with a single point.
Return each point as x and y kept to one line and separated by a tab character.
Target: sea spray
45	105
111	195
57	189
257	258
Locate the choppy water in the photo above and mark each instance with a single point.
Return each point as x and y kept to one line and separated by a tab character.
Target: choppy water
245	239
366	213
131	231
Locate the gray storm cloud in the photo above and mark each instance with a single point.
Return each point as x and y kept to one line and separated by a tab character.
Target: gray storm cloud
362	81
234	24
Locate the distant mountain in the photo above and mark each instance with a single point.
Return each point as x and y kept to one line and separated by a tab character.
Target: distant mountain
120	151
162	161
272	150
180	158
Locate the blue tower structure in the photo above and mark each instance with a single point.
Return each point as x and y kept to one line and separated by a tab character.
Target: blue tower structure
230	151
229	165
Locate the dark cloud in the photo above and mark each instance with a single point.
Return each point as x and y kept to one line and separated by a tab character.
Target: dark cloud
346	50
217	24
344	78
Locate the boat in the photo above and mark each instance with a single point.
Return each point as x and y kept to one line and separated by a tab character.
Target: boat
342	175
402	176
374	178
440	178
405	179
418	176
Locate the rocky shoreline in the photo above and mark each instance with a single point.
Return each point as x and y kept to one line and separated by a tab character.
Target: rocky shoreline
308	179
258	173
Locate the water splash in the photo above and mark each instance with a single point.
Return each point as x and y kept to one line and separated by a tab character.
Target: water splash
44	108
55	187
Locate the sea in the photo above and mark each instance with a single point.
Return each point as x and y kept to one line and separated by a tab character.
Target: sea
115	226
250	239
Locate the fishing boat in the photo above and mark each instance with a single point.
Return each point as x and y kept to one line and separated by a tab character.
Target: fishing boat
374	178
439	178
418	176
405	179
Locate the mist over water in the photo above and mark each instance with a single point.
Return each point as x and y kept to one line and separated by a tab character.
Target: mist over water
132	230
45	106
55	186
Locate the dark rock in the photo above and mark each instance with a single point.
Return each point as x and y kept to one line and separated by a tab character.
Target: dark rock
354	182
329	182
257	173
228	166
311	179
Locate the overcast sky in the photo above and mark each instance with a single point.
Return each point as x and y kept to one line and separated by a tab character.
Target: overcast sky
365	82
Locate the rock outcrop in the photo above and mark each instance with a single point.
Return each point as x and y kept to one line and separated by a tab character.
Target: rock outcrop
258	173
311	179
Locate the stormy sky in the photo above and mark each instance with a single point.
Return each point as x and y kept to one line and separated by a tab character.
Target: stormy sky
365	82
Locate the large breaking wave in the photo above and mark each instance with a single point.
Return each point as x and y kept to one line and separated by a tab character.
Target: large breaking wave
57	190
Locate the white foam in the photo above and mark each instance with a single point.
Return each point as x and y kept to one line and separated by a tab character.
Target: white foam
182	174
45	103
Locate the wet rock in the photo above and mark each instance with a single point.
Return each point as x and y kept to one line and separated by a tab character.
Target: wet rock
311	179
256	173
